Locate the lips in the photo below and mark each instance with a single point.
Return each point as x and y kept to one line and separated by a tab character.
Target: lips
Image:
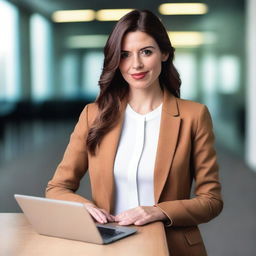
139	76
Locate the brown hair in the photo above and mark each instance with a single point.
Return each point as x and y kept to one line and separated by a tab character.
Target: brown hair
113	88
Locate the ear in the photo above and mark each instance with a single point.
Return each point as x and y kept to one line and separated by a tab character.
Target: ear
165	56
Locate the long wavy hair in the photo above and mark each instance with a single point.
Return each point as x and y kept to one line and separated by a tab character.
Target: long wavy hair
113	88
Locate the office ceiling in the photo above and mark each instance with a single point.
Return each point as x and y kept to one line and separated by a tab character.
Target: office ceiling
225	18
47	7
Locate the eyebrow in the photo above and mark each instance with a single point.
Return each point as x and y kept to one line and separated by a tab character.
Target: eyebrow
146	47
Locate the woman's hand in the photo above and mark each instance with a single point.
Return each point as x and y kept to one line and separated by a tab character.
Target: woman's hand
140	215
100	215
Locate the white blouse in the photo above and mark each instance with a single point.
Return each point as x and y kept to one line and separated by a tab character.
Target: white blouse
135	159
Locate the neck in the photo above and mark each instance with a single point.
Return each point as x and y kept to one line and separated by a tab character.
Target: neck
144	101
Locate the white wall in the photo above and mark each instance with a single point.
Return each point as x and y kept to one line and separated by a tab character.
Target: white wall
251	84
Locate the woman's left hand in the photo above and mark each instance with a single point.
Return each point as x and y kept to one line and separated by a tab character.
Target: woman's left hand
140	215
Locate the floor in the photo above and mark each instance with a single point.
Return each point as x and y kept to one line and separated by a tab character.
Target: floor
30	152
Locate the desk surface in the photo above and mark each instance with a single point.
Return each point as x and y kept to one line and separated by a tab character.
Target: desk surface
17	238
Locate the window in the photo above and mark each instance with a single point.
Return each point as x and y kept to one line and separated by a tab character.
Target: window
9	57
186	66
41	58
92	67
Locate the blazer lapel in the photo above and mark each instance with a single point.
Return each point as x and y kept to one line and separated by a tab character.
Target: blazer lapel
107	153
168	136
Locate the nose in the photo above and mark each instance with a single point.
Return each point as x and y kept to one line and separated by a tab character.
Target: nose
137	62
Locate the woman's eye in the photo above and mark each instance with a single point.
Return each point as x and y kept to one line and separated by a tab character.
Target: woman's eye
124	55
146	52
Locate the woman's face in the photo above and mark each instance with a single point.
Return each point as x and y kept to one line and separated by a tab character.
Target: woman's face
141	60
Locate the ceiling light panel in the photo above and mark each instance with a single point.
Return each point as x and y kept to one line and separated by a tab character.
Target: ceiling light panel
73	16
183	9
86	41
191	38
111	14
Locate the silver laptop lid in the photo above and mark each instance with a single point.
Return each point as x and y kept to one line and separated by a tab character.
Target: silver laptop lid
59	218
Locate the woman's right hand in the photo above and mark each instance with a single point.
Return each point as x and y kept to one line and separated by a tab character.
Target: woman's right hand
100	215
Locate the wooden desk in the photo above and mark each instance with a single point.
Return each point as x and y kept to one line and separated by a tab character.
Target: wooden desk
17	238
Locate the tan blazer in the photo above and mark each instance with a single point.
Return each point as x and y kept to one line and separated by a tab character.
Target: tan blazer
185	152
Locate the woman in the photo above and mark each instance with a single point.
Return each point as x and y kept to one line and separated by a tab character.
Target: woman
142	144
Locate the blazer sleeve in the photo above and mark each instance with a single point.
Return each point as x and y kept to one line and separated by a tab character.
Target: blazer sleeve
73	166
207	202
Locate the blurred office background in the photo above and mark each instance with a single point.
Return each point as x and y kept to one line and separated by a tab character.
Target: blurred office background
50	69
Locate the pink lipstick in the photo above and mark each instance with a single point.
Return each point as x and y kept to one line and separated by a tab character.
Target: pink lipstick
139	76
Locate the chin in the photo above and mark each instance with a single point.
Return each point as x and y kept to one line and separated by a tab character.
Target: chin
142	85
139	86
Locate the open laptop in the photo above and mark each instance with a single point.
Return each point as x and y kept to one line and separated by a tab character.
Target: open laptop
69	220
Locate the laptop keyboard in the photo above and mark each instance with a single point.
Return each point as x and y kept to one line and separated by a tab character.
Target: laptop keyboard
108	232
